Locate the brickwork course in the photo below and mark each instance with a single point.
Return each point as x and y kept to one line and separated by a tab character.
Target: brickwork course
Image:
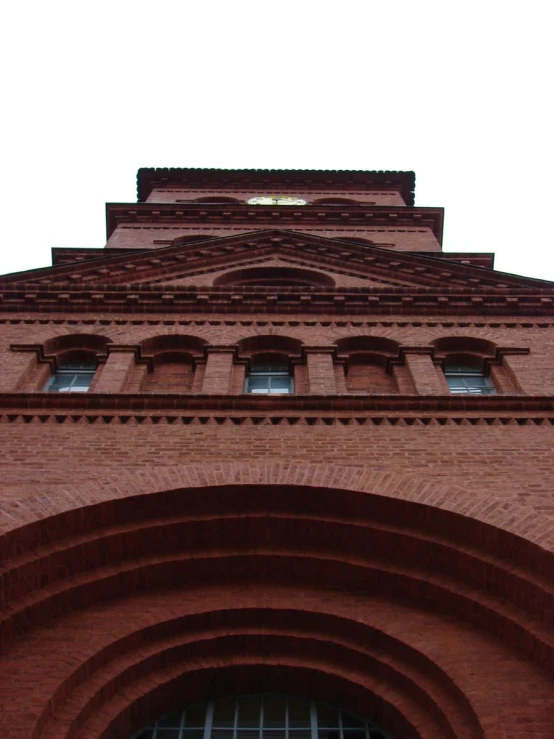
369	539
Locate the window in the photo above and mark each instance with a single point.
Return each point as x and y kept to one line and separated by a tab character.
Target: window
73	377
467	379
269	378
261	717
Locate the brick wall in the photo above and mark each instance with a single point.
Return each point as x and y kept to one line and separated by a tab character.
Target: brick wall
371	540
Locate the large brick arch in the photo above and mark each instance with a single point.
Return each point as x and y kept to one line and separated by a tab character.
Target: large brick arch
176	578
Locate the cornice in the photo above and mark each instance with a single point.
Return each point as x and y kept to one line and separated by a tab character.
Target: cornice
76	255
255	217
63	298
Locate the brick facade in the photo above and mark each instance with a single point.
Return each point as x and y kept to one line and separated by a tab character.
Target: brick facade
370	540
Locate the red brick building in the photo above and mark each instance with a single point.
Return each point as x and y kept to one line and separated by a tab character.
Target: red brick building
272	440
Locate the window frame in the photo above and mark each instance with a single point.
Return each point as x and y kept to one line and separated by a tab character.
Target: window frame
279	371
73	370
174	726
465	372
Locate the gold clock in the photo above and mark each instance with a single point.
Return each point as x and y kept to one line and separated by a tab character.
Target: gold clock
276	200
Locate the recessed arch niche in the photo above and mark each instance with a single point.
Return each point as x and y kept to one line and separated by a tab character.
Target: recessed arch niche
275	277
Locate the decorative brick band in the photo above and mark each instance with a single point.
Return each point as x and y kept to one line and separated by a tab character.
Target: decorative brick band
299	322
109	299
255	420
333	406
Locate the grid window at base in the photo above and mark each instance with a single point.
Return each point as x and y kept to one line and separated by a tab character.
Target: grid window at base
264	716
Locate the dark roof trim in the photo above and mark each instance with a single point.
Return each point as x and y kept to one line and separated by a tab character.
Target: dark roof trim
150	177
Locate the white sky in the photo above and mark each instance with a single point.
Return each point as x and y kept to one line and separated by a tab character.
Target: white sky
459	92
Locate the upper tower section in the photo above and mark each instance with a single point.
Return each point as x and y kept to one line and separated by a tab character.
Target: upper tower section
300	187
375	208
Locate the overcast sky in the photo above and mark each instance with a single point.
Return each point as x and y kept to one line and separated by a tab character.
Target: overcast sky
461	93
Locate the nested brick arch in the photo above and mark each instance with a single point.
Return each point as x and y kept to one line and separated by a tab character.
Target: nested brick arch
171	342
142	550
276	276
465	343
327	560
76	341
227	650
274	343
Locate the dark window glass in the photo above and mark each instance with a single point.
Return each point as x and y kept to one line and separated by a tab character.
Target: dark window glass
467	380
173	721
224	712
71	378
299	712
249	711
195	715
327	716
274	711
264	716
269	379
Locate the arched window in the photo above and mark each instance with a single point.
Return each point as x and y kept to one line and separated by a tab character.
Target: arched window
73	374
266	716
269	377
467	377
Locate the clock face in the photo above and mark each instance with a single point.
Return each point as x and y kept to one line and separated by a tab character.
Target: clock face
276	200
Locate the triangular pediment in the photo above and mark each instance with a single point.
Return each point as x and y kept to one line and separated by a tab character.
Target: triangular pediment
276	270
280	259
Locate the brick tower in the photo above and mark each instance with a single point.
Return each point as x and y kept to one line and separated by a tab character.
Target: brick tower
271	451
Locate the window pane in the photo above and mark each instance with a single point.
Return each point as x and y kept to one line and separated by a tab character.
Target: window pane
354	734
327	715
81	383
271	368
222	734
193	733
249	711
195	715
299	712
473	384
167	734
224	712
173	721
280	384
455	382
274	711
349	721
480	381
258	384
328	734
248	734
69	382
59	383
